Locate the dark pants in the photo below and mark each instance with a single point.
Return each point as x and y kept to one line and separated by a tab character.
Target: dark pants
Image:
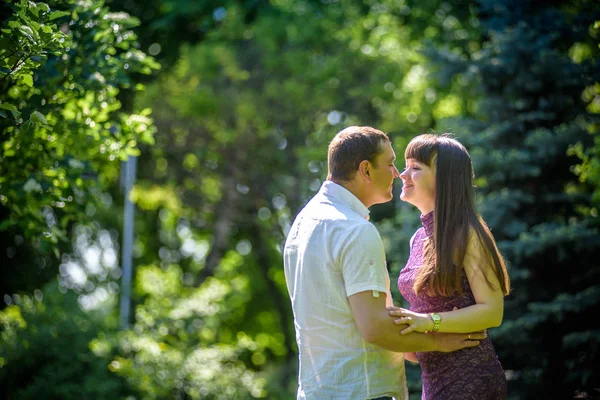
384	398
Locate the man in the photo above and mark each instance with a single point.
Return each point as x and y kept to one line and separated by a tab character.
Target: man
338	282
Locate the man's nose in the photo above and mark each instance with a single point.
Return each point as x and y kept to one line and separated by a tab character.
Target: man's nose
396	173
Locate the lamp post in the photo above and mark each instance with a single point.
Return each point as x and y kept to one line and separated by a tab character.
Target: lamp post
127	180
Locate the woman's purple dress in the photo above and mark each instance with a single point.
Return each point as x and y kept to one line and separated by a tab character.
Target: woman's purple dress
472	373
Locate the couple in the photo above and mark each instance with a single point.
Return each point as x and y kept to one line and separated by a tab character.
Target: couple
352	342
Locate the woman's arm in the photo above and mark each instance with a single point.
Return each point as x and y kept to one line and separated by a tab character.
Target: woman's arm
486	313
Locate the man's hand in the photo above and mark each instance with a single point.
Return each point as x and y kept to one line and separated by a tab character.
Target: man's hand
447	342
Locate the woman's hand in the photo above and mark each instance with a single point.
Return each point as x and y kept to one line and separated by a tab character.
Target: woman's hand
416	322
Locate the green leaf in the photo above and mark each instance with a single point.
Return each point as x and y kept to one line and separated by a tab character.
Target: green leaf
9	107
28	32
132	151
27	79
4	225
57	14
43	7
38	118
100	34
34	10
3	114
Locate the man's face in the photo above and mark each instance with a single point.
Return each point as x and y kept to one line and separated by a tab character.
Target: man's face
382	174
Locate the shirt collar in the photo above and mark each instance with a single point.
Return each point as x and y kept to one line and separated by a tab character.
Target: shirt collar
338	192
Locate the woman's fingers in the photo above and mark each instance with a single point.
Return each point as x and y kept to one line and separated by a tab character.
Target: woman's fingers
477	335
408	329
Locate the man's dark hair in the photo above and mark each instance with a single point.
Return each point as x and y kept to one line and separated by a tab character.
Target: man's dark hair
352	146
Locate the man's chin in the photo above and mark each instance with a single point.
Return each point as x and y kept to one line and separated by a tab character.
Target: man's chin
384	199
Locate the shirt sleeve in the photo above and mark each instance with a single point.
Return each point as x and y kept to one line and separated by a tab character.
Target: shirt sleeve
363	262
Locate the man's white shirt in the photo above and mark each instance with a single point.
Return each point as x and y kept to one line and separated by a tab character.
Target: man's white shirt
332	252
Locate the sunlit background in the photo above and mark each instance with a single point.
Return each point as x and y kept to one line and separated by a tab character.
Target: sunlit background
227	108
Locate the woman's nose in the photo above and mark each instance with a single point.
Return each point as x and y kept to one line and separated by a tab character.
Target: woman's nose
403	174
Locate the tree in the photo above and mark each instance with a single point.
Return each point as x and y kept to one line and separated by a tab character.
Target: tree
243	121
535	62
62	132
45	342
62	136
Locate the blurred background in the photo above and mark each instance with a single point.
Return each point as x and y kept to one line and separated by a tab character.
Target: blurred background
153	154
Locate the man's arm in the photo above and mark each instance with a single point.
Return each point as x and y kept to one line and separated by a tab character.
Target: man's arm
376	327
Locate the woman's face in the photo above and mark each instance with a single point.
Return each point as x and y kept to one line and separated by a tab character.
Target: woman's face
418	185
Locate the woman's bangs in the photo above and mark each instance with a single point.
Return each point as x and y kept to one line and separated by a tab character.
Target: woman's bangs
421	150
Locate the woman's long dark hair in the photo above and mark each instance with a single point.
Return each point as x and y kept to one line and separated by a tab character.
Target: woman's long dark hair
456	221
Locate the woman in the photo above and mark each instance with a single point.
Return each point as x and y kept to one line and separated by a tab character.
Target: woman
455	279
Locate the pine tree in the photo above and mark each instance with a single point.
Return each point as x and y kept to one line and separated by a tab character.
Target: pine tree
527	110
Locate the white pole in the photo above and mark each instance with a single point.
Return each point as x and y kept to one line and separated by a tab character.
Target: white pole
127	180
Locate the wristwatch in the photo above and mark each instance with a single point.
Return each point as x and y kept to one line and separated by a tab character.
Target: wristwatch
435	317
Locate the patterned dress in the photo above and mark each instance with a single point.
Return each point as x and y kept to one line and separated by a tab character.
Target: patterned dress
473	373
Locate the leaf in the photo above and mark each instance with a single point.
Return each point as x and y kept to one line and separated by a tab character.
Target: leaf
3	114
43	7
34	10
57	14
27	79
4	225
9	107
39	118
132	151
28	32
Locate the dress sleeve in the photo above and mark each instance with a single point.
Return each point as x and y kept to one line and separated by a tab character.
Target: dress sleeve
363	263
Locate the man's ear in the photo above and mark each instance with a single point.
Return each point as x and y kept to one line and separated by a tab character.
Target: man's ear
364	169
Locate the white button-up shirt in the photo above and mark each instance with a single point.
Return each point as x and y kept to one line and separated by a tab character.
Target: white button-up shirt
332	252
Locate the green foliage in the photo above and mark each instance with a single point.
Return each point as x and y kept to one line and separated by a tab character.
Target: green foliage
27	39
63	131
253	94
529	120
244	119
45	351
170	24
181	346
61	123
61	67
589	169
